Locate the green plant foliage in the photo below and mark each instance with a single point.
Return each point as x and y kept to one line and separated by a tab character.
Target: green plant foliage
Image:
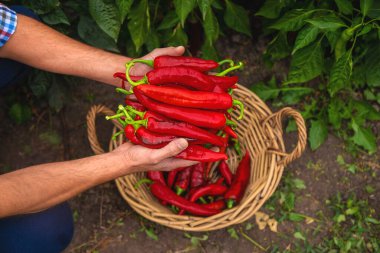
334	50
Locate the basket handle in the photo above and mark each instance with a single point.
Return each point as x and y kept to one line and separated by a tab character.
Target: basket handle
91	128
301	128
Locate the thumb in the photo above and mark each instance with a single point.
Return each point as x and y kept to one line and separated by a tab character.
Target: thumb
172	51
172	149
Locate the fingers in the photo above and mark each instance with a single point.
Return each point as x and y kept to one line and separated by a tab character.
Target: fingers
172	149
172	51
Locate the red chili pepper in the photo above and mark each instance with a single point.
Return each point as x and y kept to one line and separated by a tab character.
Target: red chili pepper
208	190
130	134
229	131
134	104
151	138
201	154
197	178
156	176
162	192
172	175
183	180
216	205
226	172
202	118
223	83
188	98
240	181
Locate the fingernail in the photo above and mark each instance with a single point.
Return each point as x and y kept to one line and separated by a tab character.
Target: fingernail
182	143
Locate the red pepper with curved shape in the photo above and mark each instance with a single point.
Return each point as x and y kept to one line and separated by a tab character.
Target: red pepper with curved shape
201	154
156	176
201	118
216	205
197	178
134	104
164	193
150	138
240	182
225	172
208	190
183	180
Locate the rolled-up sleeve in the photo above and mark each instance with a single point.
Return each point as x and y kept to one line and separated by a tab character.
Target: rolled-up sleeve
8	23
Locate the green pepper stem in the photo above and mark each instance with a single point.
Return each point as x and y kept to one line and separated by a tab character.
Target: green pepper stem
201	199
142	181
116	116
231	62
126	92
241	107
116	135
122	108
230	123
238	66
179	190
237	146
147	62
133	83
133	110
230	203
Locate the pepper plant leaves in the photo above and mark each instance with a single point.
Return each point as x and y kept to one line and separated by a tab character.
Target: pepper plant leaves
106	16
344	6
236	18
306	36
209	52
178	38
271	9
364	137
340	74
278	48
183	8
317	133
264	91
139	23
365	6
90	32
20	113
204	6
334	112
154	41
328	23
124	6
292	20
211	27
372	66
56	17
306	64
169	21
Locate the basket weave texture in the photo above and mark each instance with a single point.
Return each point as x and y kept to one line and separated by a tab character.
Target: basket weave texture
260	132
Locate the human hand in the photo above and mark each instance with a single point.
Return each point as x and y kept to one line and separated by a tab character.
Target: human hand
140	69
138	158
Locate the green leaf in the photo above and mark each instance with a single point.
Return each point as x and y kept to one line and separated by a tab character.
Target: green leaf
233	233
298	183
51	137
334	112
298	235
150	233
366	29
328	23
292	20
271	9
278	48
306	36
340	218
139	24
204	6
20	113
43	6
332	37
374	10
56	17
293	95
236	18
306	64
178	38
365	6
364	137
153	42
170	20
352	210
124	6
40	82
289	201
265	92
89	32
340	74
183	8
372	66
57	96
340	160
211	27
344	6
372	220
317	134
106	16
364	110
369	189
209	52
296	217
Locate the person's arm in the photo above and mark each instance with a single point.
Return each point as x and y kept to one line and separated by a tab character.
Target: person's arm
40	46
38	187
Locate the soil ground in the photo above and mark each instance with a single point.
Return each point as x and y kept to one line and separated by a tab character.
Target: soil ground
105	223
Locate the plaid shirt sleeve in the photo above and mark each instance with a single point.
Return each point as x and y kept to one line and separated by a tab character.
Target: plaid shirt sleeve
8	22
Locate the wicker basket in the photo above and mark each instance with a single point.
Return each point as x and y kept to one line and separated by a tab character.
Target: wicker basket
260	132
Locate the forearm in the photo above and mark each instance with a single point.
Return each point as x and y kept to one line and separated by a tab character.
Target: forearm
39	187
38	45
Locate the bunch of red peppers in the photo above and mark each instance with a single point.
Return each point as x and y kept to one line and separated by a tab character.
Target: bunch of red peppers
179	98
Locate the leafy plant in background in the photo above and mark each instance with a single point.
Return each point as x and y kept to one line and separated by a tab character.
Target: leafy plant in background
132	28
334	73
